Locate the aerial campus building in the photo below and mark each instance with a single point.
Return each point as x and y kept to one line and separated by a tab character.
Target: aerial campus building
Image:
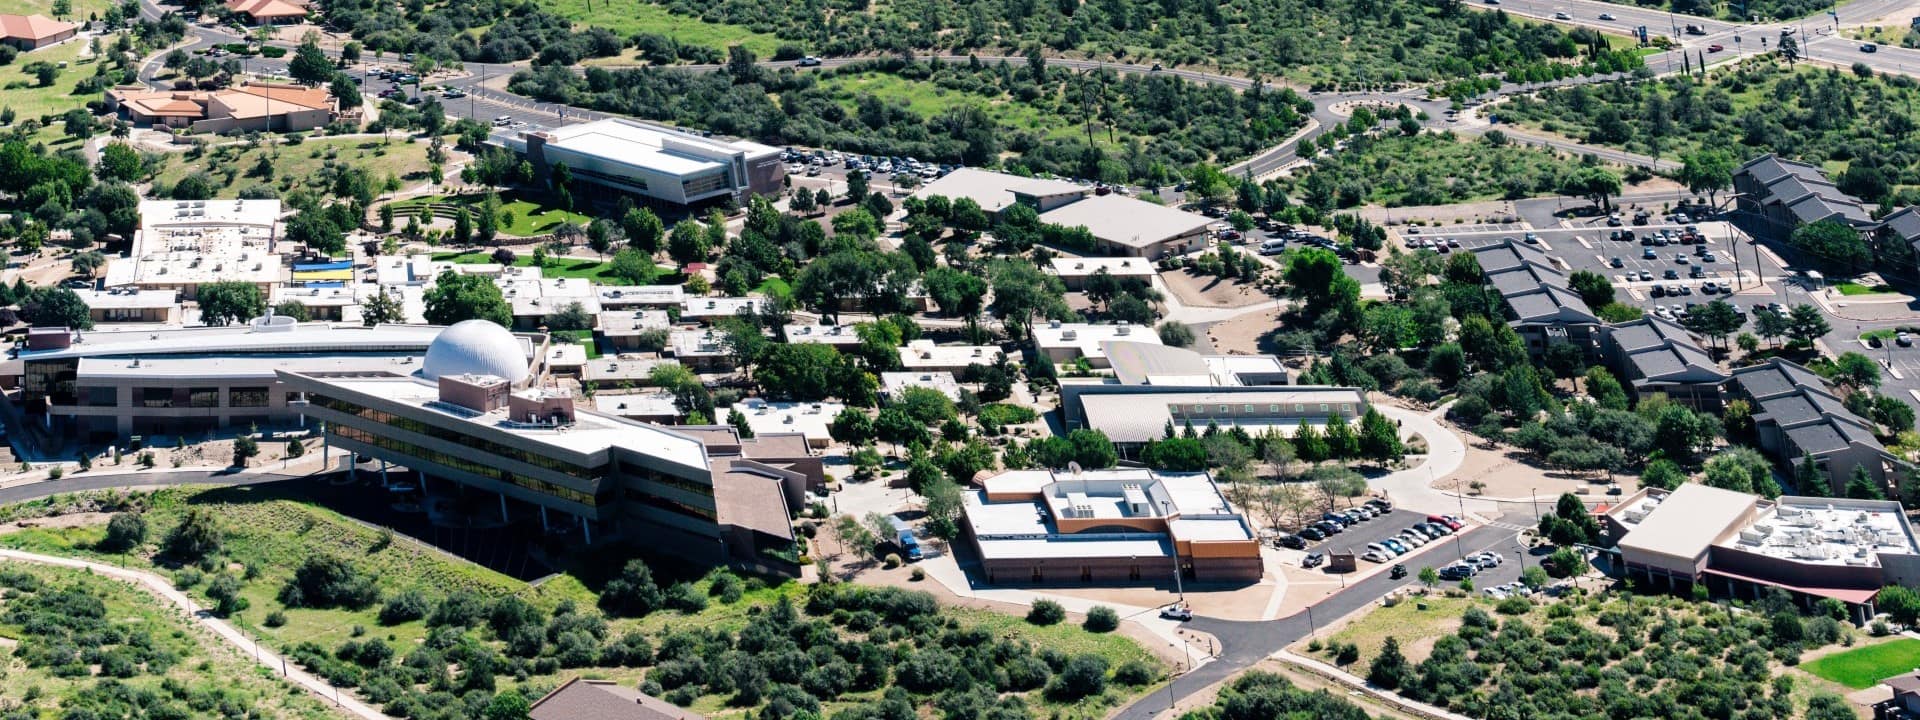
110	385
1122	225
475	416
1108	526
652	161
1739	545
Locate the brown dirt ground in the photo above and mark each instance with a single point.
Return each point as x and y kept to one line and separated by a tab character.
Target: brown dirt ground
1209	291
1508	475
56	521
1241	335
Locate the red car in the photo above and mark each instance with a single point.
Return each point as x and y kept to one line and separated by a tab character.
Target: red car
1451	523
1715	48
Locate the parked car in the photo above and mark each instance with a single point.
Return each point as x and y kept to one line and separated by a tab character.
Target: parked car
1645	275
1313	534
1487	558
1457	571
1291	540
1903	340
1313	560
1382	505
809	61
1617	262
1869	48
1649	254
1398	548
1176	612
1376	556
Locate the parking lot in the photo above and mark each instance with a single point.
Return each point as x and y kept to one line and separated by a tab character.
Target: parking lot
1356	537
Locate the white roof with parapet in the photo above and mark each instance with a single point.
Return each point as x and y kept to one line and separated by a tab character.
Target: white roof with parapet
621	367
612	296
640	145
129	299
822	334
768	418
894	383
1119	267
1125	221
995	191
322	296
243	367
590	432
293	338
926	354
708	308
1685	522
637	405
1088	338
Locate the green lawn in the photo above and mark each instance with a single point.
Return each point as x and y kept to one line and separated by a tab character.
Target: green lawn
583	338
22	92
1865	667
232	167
82	9
627	17
1851	288
521	215
594	270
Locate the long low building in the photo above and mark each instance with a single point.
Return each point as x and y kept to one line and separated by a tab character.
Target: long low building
1798	418
700	493
175	381
650	161
1122	225
1539	305
1739	545
1108	527
1154	387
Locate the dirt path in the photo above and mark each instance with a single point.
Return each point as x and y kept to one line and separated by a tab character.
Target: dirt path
159	587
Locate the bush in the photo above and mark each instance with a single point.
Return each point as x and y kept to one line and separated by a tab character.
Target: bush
917	575
1102	619
1346	654
1083	676
125	531
275	619
1046	612
1134	673
404	606
892	561
326	581
633	593
684	598
1514	606
197	536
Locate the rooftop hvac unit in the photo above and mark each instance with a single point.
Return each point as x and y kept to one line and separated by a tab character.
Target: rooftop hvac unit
1123	330
1636	515
1069	335
1752	536
1055	324
977	352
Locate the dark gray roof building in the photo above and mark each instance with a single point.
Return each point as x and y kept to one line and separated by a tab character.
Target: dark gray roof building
1654	355
1539	305
1797	416
1783	194
582	699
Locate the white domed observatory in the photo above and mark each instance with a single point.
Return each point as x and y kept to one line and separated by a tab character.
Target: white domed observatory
476	347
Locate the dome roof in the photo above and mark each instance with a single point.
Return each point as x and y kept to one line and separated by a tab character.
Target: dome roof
477	347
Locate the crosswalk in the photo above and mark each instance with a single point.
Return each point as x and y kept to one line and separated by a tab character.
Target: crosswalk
1509	526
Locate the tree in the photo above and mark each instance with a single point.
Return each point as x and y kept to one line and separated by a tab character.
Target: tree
310	65
632	593
1566	562
1101	619
292	309
1662	473
852	427
1594	183
1862	486
230	301
1835	243
1715	320
1788	48
857	186
1741	469
634	267
119	161
1316	280
345	91
245	448
197	536
572	316
1046	612
1593	288
457	297
382	308
125	531
1707	171
316	230
688	243
508	705
1390	668
1899	602
1429	577
1805	324
1856	371
1379	437
54	307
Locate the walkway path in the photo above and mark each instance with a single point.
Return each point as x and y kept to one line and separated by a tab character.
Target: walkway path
160	588
1412	488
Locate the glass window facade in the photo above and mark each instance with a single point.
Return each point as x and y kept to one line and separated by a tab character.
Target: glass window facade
156	397
247	397
464	464
203	397
453	436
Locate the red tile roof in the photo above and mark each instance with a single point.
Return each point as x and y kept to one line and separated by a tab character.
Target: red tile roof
32	27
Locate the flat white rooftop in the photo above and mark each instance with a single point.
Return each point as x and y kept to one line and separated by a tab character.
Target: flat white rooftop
709	308
1086	337
924	354
244	367
129	299
1827	532
822	334
647	146
623	367
590	432
810	419
638	405
300	338
1117	267
628	295
892	383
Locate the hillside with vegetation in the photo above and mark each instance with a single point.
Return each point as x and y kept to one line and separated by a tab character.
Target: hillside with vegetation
1045	119
426	635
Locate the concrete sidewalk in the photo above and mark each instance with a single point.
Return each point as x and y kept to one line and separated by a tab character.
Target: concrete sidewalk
159	587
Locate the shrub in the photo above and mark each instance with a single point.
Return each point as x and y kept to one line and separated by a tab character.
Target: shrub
1134	673
1347	654
917	575
684	598
1083	676
196	537
275	619
1514	606
225	592
1046	612
892	561
325	581
125	531
633	593
1102	619
404	606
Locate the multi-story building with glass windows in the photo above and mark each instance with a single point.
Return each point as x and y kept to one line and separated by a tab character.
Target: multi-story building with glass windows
704	492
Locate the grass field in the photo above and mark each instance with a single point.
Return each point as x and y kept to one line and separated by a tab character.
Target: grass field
22	92
230	167
82	9
1850	288
594	270
523	216
627	17
1865	667
206	666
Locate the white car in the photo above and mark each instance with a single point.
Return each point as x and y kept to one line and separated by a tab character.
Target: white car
1176	612
1376	556
1411	539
